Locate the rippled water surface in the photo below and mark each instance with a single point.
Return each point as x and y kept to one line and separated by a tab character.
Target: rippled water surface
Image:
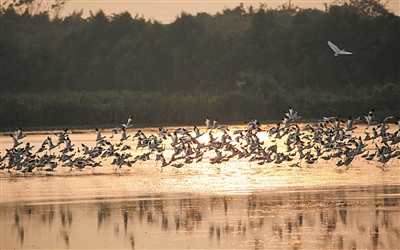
234	204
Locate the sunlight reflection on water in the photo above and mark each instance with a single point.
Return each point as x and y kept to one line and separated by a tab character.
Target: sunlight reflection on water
339	219
237	204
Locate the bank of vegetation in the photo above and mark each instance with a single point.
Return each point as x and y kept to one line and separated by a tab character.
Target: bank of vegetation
237	64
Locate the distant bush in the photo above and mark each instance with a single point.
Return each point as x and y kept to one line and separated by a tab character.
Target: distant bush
112	108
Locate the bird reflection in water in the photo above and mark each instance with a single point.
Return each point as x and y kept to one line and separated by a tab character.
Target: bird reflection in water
125	216
132	241
343	216
21	235
253	221
164	224
375	237
66	216
104	212
65	235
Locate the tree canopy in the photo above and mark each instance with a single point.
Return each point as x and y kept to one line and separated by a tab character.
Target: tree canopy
257	50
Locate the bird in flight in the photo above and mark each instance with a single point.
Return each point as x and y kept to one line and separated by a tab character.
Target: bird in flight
129	123
338	51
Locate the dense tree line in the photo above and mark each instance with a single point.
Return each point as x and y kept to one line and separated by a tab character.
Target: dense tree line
276	56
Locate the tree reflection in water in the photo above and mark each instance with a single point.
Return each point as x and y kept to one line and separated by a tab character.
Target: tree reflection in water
343	219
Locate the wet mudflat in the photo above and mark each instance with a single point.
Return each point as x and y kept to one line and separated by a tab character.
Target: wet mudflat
231	204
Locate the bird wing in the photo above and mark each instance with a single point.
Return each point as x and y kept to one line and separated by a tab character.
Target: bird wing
208	123
334	47
389	117
345	52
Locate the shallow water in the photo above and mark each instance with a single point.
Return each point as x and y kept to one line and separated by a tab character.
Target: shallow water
362	218
235	204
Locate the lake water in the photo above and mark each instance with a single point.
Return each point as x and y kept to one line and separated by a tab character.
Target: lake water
230	205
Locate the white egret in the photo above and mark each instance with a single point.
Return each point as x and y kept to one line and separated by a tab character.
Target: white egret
338	51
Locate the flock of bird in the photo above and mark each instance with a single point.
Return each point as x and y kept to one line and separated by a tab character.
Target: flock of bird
329	140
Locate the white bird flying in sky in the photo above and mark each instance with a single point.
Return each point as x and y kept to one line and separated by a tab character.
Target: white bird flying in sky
338	51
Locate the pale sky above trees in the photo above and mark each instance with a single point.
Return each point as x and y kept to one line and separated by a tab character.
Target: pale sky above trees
165	11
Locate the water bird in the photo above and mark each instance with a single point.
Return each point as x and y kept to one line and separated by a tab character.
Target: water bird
350	124
98	135
297	164
177	165
197	132
16	142
208	123
174	139
50	143
61	135
95	165
339	163
114	131
275	129
370	118
253	122
223	127
182	131
41	149
336	124
52	166
383	126
286	122
125	147
384	158
215	123
374	134
365	154
129	123
162	132
164	163
123	135
18	134
292	114
254	125
140	134
338	51
68	145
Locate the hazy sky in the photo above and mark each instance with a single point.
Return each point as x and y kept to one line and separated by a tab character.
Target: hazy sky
166	11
